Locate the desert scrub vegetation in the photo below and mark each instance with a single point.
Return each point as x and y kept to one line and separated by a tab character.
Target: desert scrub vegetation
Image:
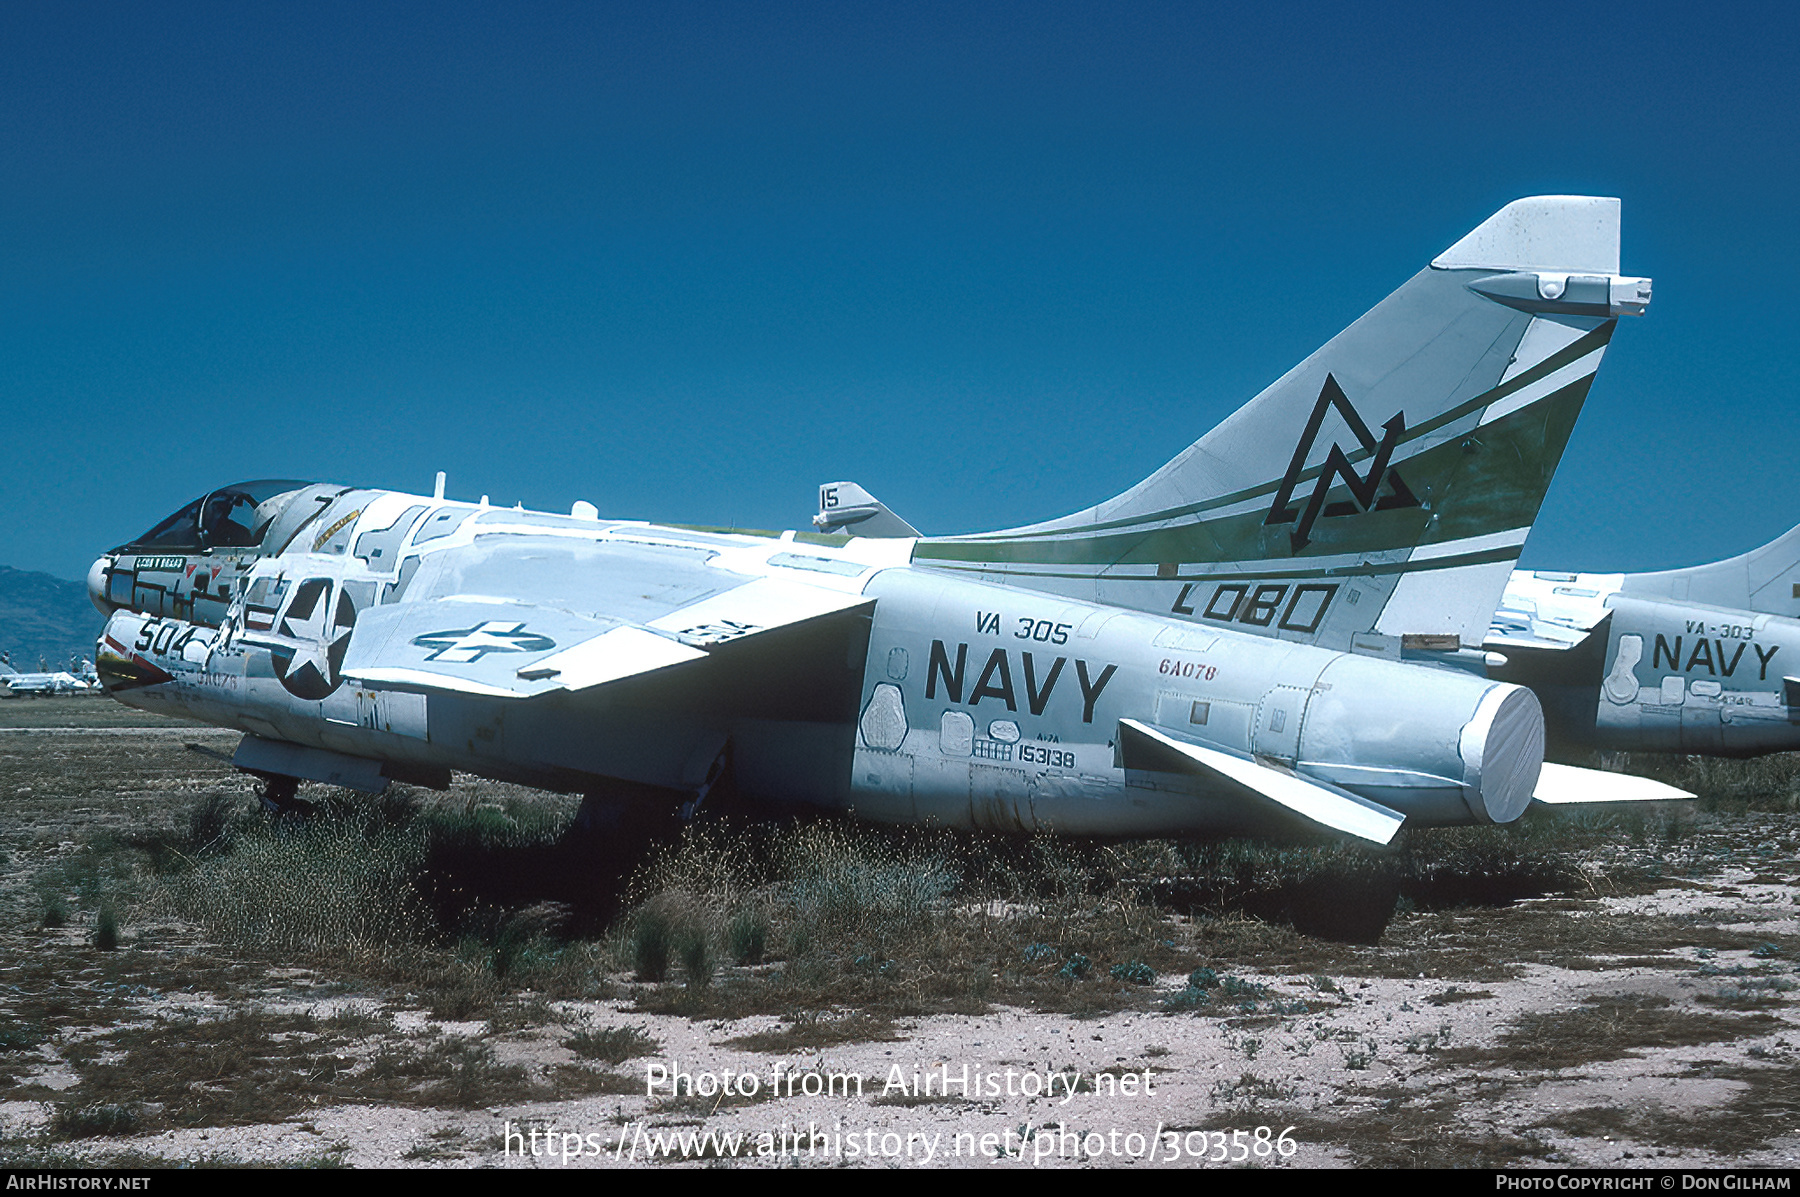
85	882
466	900
360	872
313	886
1345	892
612	1045
897	921
911	921
1764	783
1606	1027
440	897
251	1066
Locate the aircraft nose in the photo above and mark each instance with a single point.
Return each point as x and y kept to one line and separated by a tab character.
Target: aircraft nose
96	584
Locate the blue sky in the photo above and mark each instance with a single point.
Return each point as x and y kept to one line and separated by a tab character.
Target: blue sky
995	262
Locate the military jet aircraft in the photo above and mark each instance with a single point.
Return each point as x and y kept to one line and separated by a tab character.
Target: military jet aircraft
1223	648
79	678
1700	660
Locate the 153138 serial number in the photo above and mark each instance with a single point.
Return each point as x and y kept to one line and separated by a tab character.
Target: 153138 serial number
1043	754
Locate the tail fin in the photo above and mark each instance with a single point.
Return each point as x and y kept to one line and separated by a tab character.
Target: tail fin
1380	491
847	507
1764	580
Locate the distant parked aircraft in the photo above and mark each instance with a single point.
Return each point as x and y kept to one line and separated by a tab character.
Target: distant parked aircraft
79	678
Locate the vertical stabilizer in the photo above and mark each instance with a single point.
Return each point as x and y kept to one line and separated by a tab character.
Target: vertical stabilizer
1377	494
1764	580
847	507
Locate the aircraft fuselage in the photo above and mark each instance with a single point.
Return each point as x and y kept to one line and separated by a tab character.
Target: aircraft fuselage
1655	674
935	699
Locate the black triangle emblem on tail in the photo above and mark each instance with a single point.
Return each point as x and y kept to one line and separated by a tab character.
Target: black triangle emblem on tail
1364	489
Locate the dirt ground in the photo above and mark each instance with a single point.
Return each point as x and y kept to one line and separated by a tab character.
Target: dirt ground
1644	1024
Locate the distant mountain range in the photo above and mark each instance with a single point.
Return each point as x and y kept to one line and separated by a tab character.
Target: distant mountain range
45	618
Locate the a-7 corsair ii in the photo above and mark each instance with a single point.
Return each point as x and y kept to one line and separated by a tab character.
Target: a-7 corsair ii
1222	648
1701	660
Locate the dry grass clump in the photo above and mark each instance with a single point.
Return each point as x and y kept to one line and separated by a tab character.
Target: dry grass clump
1764	783
106	928
1347	892
842	893
17	1035
458	1073
360	871
612	1045
215	821
1756	1118
808	1030
1410	1130
1605	1028
894	922
253	1066
1750	993
320	886
731	892
460	982
440	897
199	1072
80	1122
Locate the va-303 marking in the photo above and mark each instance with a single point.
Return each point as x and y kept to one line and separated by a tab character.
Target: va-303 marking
1220	649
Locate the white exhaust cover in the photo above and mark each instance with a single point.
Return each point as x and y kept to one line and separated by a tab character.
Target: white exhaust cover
1502	750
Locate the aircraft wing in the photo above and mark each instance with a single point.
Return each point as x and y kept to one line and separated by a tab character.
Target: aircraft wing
509	649
1500	638
1549	612
1315	800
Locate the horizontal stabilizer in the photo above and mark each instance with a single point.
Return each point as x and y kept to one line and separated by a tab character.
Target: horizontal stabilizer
1325	804
1502	639
1565	784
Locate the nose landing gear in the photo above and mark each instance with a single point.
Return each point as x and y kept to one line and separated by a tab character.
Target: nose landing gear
280	795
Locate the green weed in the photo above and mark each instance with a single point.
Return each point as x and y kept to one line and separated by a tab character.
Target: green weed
613	1045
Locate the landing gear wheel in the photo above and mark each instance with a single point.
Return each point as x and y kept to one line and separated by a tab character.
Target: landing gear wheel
279	797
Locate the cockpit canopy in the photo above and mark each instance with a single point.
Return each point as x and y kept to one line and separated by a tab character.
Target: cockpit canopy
231	517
